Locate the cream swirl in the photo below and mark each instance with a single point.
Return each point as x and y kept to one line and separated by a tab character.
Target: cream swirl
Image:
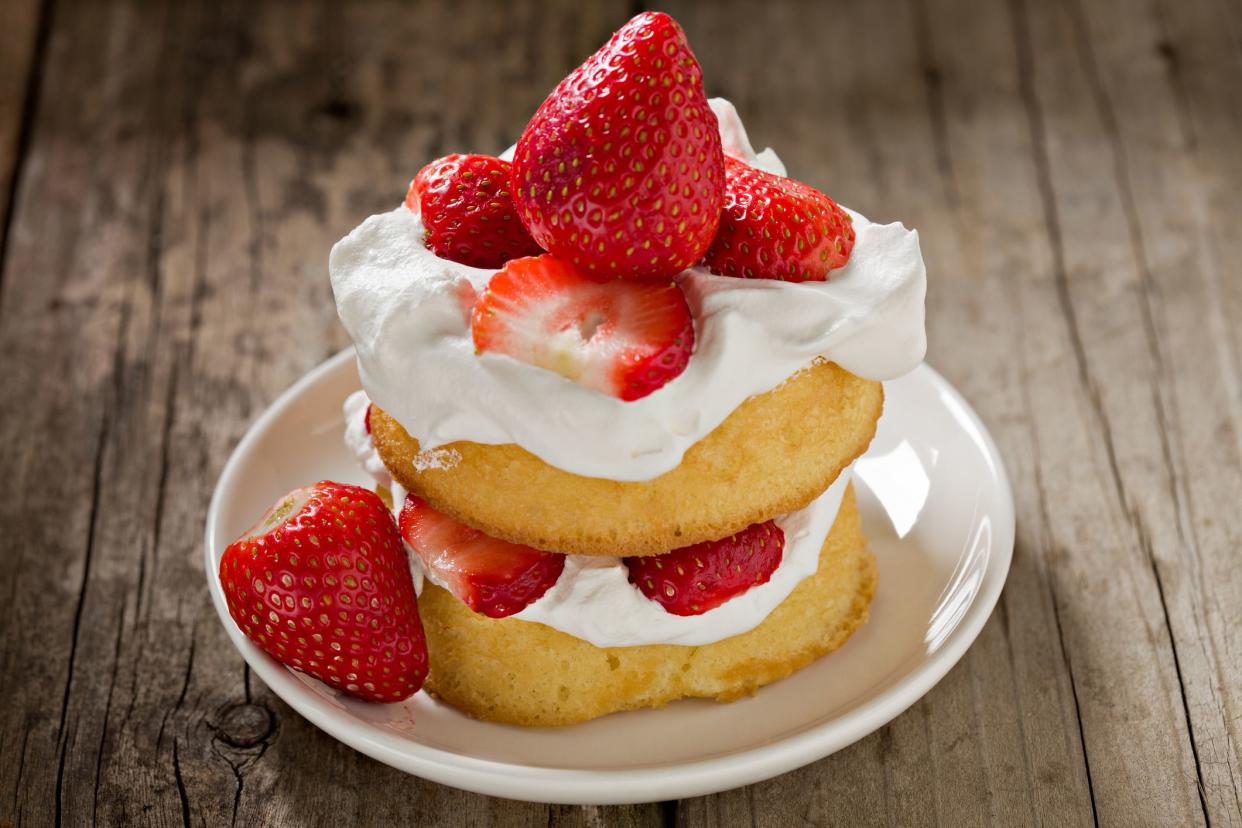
407	312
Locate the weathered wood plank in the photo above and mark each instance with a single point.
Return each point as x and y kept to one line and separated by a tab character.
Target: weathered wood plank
1175	153
1119	245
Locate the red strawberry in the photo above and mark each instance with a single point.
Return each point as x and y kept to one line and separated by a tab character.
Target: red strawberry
620	171
491	576
623	338
322	584
366	418
694	579
468	212
778	228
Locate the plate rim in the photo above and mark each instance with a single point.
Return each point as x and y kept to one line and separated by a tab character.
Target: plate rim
554	785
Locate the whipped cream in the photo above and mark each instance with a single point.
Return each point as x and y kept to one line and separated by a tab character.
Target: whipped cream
358	441
593	598
407	312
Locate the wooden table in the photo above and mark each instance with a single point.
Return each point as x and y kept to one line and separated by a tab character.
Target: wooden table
172	176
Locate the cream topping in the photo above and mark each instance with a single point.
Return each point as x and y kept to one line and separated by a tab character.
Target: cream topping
407	311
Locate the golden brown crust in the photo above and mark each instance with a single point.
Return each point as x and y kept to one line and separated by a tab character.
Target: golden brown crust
773	455
525	673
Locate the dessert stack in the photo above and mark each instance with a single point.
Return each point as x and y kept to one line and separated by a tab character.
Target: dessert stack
614	382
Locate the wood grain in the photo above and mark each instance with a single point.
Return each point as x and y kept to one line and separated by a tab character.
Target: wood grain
20	47
177	172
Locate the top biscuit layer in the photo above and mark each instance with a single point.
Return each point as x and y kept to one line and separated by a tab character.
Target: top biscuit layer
774	454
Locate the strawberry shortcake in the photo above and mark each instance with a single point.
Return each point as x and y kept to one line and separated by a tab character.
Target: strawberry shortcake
614	382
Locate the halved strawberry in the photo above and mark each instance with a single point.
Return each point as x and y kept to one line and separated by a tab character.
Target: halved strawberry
467	211
491	576
623	338
695	579
778	228
620	171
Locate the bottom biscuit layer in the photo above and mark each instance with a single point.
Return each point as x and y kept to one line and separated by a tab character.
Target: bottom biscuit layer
524	673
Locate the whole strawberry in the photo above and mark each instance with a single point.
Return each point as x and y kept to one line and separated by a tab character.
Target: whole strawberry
468	212
777	228
694	579
322	584
620	172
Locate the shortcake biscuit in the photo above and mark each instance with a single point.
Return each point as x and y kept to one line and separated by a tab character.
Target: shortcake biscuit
773	455
524	673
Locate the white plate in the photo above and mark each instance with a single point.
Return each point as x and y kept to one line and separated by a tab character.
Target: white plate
936	507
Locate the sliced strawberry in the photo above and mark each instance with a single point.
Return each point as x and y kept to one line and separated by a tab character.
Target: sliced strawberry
777	228
491	576
468	212
366	418
623	338
620	172
695	579
322	584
